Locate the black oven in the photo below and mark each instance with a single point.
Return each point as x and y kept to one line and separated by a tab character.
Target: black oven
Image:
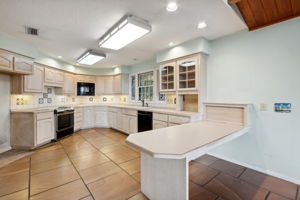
85	89
64	122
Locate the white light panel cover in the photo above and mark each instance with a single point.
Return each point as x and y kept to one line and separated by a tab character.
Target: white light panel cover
90	58
125	32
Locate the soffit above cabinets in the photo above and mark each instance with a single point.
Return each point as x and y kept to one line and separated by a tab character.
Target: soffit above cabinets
68	28
261	13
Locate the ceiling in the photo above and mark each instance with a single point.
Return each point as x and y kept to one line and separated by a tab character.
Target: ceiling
261	13
70	27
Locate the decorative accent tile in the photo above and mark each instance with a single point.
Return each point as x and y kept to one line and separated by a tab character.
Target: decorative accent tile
104	99
49	90
49	100
41	100
91	99
45	95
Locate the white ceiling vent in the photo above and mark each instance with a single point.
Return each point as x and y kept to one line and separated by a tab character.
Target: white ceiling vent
31	31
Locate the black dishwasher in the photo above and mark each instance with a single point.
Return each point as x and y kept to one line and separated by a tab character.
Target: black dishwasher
144	121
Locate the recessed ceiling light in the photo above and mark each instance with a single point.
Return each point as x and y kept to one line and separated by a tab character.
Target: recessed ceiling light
171	44
59	56
202	25
172	6
124	32
90	58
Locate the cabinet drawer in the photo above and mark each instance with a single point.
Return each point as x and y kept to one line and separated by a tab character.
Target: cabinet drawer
101	108
110	109
129	112
78	110
159	124
160	117
45	115
178	119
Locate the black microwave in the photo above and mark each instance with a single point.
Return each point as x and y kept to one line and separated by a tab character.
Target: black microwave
85	89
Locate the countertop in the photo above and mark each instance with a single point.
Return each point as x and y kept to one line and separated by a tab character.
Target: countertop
182	139
151	109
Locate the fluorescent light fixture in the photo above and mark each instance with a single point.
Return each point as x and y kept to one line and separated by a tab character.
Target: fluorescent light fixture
59	56
90	58
124	32
172	6
202	25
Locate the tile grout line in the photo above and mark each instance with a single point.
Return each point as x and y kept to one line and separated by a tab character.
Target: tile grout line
29	181
113	162
298	193
77	171
267	196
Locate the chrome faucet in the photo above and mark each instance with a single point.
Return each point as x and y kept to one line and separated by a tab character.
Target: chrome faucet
143	102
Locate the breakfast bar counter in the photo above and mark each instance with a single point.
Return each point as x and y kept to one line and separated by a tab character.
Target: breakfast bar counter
166	153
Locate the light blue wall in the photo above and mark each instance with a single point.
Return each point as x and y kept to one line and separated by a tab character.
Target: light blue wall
261	66
144	66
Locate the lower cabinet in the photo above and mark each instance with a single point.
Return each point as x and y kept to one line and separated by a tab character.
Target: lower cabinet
30	130
159	124
78	119
129	124
112	119
88	118
101	117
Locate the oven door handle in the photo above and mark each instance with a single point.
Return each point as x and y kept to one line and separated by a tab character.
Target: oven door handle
60	130
68	113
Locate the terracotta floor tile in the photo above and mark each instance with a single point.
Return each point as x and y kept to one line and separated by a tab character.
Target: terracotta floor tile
201	174
11	156
71	191
198	193
121	156
139	196
13	183
21	165
50	147
21	195
232	188
271	183
74	139
82	151
53	178
137	176
273	196
298	195
112	147
115	187
101	142
117	136
132	166
228	167
48	155
206	159
88	198
89	160
77	146
38	167
100	171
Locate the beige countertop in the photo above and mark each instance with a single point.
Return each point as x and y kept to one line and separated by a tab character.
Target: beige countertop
129	106
182	139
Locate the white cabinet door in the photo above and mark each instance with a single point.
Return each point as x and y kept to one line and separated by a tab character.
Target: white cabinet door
88	117
125	123
44	130
100	85
112	119
119	125
49	75
132	125
69	84
35	81
109	85
101	118
159	124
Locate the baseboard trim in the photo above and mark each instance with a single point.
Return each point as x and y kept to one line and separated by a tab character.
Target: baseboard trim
269	172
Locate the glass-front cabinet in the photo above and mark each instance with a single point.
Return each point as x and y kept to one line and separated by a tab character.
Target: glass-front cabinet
167	76
187	76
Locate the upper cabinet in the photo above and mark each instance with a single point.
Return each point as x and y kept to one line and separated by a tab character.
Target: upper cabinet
117	84
187	76
33	83
14	63
85	78
70	84
167	77
181	75
54	77
121	84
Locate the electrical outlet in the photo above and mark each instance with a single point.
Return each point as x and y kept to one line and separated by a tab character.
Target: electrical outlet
263	107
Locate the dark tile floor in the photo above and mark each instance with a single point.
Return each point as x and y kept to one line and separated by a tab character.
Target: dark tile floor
98	164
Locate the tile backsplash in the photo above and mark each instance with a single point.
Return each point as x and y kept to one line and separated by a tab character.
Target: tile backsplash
51	99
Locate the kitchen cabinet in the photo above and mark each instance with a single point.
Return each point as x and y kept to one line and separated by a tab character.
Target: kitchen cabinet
121	84
23	65
159	124
112	119
69	86
34	83
88	117
100	85
187	76
30	130
53	77
6	61
108	85
101	119
85	78
45	130
78	118
15	63
129	121
167	76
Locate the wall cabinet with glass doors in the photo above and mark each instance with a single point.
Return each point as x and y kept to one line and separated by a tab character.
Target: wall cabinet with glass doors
167	77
